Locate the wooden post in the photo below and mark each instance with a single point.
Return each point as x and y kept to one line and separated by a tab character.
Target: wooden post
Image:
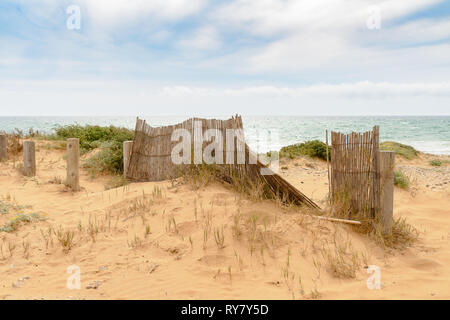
73	161
387	164
3	153
29	158
328	169
127	148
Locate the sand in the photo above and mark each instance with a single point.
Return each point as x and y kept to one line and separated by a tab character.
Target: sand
146	240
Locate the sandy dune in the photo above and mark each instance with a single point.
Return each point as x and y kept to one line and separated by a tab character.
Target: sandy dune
147	240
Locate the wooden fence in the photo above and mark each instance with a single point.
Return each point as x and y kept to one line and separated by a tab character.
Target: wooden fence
151	156
355	172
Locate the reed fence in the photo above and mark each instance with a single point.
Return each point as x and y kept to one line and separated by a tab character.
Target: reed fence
355	173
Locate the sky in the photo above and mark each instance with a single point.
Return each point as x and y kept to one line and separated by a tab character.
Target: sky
221	57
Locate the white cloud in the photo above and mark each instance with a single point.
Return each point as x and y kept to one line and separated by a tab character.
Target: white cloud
418	31
269	17
205	38
322	55
140	98
323	36
159	36
305	51
364	89
281	42
107	13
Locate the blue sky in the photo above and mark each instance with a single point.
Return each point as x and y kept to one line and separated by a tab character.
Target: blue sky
217	57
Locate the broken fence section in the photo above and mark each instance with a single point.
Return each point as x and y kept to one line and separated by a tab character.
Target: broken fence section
151	156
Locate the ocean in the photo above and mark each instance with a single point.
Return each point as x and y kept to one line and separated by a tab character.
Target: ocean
430	134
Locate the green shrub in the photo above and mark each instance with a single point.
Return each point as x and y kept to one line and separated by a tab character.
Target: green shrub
400	180
110	141
314	149
92	137
403	150
436	163
108	160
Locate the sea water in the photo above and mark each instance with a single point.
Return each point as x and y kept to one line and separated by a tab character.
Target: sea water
429	134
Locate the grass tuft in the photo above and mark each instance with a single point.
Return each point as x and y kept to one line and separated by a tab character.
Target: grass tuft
401	180
219	237
116	182
436	163
13	145
342	264
199	176
400	236
65	239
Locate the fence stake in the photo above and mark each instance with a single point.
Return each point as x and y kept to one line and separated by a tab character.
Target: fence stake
387	164
29	158
127	148
328	168
336	219
73	161
3	153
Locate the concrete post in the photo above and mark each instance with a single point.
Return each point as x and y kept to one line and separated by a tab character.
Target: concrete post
127	148
73	162
29	158
3	143
387	164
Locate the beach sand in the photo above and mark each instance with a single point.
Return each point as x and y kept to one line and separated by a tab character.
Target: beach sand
147	240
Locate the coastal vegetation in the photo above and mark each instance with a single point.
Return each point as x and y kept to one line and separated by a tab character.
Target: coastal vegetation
109	141
92	137
311	148
21	218
13	144
436	163
400	149
401	180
